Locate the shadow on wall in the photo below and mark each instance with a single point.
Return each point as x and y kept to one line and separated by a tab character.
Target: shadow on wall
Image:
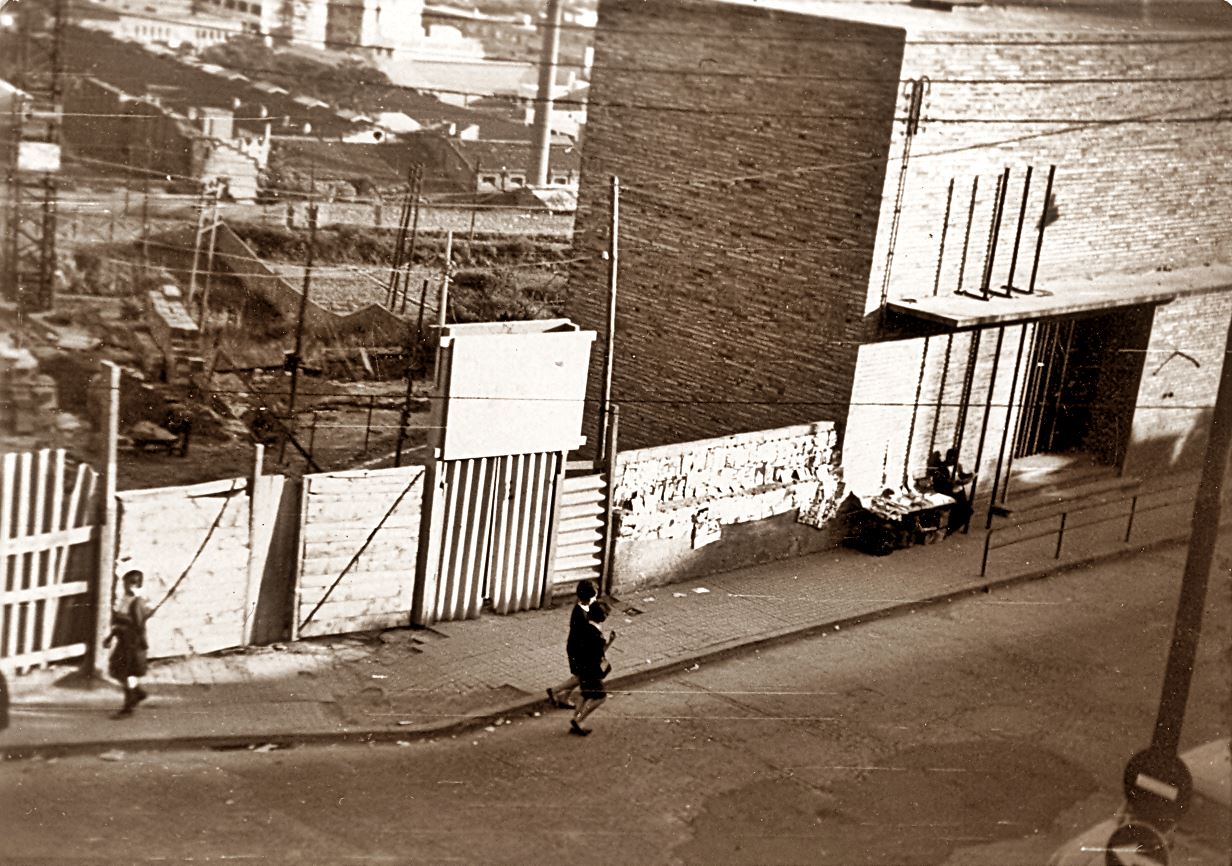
643	563
1164	454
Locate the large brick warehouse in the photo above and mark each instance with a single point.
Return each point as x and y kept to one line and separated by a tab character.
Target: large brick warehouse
765	195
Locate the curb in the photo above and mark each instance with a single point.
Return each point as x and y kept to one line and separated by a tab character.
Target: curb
488	716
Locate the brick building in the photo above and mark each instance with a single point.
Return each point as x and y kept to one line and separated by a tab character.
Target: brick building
760	153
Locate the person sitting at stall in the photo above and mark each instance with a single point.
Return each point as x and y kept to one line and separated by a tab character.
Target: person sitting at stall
947	477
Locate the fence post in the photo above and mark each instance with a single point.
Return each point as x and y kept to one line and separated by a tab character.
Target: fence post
1129	527
1061	535
987	547
312	436
368	423
252	585
94	664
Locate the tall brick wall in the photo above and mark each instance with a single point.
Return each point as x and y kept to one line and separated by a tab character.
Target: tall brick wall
1131	196
881	439
1177	391
742	277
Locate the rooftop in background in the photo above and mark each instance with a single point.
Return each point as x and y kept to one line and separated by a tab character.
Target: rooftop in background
181	81
1035	17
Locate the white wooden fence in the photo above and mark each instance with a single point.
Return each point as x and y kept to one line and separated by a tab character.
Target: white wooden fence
47	538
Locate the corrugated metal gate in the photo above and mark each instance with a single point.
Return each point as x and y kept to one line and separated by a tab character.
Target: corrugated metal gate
579	539
491	536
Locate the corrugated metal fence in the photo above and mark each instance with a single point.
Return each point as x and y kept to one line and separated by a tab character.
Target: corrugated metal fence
491	535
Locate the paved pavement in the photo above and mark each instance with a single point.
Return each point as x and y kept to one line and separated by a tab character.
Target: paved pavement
403	684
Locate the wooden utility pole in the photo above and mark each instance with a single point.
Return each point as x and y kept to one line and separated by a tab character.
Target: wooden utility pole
94	664
410	253
209	259
296	359
613	262
443	304
192	276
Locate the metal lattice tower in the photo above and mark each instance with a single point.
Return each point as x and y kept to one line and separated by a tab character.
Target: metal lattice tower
28	276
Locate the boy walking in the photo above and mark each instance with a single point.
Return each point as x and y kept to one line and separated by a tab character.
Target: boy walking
578	620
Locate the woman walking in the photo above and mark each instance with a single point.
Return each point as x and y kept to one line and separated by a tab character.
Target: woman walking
128	658
592	667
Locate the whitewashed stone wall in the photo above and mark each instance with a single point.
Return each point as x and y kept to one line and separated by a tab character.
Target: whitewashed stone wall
696	488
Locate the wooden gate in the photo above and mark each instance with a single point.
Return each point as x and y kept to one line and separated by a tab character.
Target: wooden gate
359	542
491	537
47	538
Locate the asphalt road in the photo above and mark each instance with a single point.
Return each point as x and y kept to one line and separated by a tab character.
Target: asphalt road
984	732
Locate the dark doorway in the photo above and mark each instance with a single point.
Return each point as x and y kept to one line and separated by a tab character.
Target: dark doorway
1082	384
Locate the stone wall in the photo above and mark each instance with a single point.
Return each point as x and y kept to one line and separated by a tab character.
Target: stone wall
701	507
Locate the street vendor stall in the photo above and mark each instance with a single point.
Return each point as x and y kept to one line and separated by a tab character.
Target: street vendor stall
896	519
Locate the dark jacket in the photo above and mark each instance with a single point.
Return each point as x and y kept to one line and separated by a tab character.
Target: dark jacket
128	656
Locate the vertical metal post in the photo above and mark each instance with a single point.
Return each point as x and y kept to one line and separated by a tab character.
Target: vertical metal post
93	662
1203	535
613	264
979	452
1056	409
1041	391
915	411
987	547
962	265
1039	240
945	227
994	233
1022	215
945	370
609	497
312	436
1005	428
964	399
1016	442
1061	535
1129	526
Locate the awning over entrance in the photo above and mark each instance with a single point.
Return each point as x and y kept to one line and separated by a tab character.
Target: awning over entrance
1064	297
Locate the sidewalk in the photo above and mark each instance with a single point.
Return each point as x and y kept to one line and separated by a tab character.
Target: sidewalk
404	684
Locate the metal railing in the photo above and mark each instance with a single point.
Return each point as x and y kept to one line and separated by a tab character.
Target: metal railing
1064	524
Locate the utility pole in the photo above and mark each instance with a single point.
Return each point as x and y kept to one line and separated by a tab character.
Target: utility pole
1157	782
410	253
29	244
216	194
613	264
295	358
192	277
542	145
443	304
